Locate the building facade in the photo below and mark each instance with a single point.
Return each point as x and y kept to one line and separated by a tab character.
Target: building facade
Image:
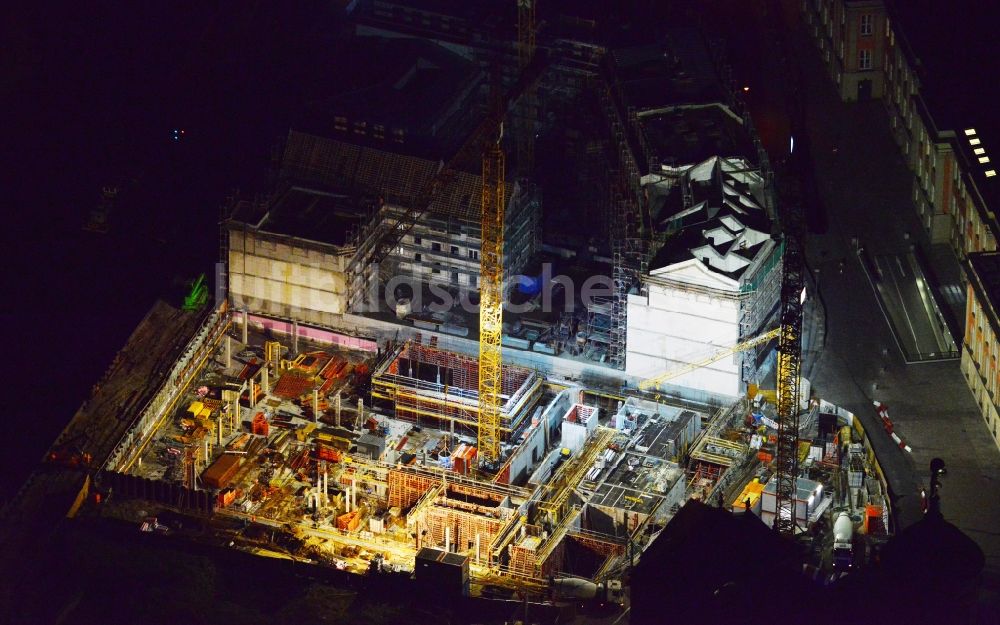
849	35
306	252
982	331
715	282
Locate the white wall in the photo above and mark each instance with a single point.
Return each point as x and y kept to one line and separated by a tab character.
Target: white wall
284	278
671	327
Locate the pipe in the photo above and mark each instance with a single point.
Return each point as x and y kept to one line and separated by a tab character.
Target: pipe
218	426
229	351
246	328
315	405
265	380
295	337
336	408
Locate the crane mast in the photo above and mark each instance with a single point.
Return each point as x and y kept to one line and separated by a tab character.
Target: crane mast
789	369
491	298
491	255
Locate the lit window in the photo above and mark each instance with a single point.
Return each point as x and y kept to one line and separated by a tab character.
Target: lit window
974	141
990	173
969	132
984	159
979	151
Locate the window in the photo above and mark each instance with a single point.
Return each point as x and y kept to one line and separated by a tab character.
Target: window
864	59
418	257
867	25
454	250
418	241
436	247
454	277
474	254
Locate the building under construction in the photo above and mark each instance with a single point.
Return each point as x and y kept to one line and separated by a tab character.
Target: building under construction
357	435
420	383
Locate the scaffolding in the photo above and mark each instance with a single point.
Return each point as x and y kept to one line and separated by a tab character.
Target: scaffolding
759	296
626	203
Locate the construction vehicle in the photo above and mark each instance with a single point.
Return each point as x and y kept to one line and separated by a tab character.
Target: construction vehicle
69	457
576	589
69	454
653	382
843	542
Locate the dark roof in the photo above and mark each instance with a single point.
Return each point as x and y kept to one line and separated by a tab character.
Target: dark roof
710	566
311	215
690	135
420	87
397	178
957	48
677	70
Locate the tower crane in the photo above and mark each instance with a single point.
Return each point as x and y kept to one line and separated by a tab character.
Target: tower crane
491	256
656	380
789	370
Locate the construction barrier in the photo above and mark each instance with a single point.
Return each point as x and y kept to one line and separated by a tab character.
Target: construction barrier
125	486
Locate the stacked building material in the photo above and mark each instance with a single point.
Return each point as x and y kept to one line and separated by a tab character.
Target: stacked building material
219	474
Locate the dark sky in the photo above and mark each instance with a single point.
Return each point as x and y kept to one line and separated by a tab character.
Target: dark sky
91	94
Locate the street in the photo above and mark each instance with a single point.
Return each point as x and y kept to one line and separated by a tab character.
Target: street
864	191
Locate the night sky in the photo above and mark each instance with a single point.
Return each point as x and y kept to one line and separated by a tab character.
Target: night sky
93	94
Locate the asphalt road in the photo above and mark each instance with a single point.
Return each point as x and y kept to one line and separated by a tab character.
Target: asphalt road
864	191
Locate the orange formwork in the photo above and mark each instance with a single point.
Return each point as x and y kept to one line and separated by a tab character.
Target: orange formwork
464	526
293	384
405	489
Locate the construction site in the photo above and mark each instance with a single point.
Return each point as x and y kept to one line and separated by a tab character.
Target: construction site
530	455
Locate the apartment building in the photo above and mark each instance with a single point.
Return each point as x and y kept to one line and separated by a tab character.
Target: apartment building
849	35
982	329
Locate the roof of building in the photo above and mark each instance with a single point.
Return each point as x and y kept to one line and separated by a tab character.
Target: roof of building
954	44
983	270
419	90
396	178
708	565
677	70
308	214
725	227
693	133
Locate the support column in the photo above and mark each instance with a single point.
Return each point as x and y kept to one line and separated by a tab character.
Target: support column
218	427
295	337
315	405
246	327
336	408
265	380
229	351
361	413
